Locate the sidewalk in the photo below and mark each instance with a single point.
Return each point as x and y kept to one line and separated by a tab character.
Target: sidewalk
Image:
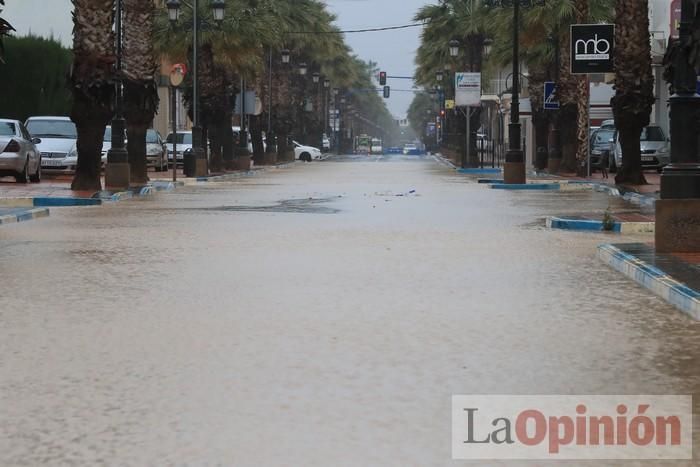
652	189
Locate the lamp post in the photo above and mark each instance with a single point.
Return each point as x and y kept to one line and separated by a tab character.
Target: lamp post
514	170
118	171
678	210
199	166
326	88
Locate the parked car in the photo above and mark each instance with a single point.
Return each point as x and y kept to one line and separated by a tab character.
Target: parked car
59	136
601	148
19	156
656	150
156	151
306	153
607	125
326	142
376	147
184	143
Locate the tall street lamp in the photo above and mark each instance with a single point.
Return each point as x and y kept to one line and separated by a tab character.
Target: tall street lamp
326	89
514	170
118	171
199	168
678	210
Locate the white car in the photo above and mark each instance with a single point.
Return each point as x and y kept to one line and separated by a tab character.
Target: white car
376	147
326	144
306	153
184	143
59	136
19	156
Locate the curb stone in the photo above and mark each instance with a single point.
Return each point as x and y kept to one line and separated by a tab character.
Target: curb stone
652	278
24	215
591	225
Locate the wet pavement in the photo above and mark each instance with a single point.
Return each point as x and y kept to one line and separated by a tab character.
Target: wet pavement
322	314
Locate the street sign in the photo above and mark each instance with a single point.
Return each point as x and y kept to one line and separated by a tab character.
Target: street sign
253	104
450	104
177	74
551	99
592	48
468	89
675	18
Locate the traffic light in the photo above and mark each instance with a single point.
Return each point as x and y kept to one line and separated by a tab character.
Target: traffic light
387	92
442	112
382	78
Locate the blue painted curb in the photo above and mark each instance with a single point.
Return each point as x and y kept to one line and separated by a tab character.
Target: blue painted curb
66	202
588	225
652	278
490	181
479	171
22	215
528	186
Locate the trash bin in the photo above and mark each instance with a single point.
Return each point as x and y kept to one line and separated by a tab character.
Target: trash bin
541	158
189	164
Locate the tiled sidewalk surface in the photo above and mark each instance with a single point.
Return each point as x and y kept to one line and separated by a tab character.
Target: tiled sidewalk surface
675	278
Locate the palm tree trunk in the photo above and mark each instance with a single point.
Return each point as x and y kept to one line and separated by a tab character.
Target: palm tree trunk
257	139
136	147
582	100
92	84
634	85
90	121
141	89
216	160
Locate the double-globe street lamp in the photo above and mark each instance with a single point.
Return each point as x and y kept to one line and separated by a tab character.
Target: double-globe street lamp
218	8
514	170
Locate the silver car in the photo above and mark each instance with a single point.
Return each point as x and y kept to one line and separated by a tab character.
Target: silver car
156	152
656	149
58	147
19	156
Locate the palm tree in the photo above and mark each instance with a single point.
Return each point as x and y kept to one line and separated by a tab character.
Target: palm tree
140	85
442	20
582	97
634	85
5	29
93	87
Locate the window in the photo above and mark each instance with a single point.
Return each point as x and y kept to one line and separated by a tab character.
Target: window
652	133
8	129
52	129
182	138
152	137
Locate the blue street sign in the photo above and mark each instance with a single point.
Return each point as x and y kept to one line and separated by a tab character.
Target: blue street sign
551	100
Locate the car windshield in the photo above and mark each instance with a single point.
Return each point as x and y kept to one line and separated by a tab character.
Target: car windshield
182	138
151	137
52	129
653	133
603	137
7	129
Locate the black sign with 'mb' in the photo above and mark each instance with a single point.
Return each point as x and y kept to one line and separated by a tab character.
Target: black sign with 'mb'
592	48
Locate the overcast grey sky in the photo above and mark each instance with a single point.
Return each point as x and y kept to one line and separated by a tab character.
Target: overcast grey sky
393	50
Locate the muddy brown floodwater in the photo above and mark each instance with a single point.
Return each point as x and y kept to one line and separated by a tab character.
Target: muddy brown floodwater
319	315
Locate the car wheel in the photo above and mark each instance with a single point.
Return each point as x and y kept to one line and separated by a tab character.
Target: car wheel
36	178
22	176
305	156
612	167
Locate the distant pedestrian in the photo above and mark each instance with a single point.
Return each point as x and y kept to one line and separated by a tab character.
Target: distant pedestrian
604	164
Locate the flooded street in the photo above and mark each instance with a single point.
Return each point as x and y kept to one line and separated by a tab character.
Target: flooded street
318	315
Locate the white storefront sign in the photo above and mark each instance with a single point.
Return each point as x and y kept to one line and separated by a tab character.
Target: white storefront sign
468	86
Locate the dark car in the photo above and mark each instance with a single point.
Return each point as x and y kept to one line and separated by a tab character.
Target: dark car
601	148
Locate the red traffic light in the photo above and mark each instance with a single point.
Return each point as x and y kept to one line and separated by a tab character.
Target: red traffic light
382	78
